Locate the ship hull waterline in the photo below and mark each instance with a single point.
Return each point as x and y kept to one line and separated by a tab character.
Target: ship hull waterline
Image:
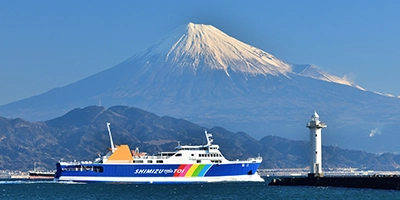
168	173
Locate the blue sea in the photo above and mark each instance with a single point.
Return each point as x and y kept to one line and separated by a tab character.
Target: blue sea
27	189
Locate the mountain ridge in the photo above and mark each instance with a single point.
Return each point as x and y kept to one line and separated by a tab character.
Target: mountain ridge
81	134
132	77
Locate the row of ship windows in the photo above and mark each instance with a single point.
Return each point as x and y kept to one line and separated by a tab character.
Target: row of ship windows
148	161
209	155
200	155
203	155
202	148
83	168
213	161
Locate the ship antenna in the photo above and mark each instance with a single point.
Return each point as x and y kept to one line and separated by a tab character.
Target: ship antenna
111	140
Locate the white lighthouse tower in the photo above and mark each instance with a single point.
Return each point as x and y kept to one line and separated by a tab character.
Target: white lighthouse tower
315	127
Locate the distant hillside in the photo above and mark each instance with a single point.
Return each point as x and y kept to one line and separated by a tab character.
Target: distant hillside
284	153
81	134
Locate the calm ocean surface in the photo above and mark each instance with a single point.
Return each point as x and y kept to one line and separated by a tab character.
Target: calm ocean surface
25	189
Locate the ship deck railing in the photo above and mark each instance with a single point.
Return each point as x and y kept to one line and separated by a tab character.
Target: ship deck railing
76	162
152	157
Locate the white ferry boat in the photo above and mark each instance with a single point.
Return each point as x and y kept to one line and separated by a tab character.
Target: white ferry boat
202	163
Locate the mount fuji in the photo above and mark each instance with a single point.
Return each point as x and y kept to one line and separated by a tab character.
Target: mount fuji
201	74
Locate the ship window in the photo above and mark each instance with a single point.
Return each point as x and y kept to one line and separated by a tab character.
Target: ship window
98	169
178	155
72	168
149	161
192	154
198	161
137	161
159	161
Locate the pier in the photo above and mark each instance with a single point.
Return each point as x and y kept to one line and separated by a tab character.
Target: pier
375	182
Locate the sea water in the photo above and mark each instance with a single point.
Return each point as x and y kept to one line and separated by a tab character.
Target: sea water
27	189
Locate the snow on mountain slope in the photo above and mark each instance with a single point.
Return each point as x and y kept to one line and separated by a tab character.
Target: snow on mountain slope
198	45
314	72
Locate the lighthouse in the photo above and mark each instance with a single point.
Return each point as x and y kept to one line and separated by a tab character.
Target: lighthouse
315	127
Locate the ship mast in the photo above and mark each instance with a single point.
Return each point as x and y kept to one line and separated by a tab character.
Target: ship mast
208	137
111	140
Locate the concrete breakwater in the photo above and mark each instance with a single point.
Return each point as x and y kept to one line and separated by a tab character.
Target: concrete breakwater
376	182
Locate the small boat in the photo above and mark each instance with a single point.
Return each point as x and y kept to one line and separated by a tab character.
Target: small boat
40	175
187	164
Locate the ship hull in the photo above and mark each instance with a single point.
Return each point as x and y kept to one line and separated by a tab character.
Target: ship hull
158	173
37	175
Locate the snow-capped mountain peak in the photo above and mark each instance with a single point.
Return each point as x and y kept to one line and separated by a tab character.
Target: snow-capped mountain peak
198	45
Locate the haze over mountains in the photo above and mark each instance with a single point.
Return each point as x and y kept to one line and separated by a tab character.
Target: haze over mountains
81	134
201	74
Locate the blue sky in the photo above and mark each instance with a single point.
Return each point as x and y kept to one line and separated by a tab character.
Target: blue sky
48	44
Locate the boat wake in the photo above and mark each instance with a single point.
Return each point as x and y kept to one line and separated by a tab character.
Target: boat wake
27	181
10	182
